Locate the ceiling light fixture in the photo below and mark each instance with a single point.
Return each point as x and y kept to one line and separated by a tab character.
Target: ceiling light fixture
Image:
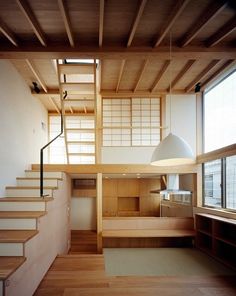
172	150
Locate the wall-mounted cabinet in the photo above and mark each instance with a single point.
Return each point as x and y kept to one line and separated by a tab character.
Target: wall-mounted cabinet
217	237
130	197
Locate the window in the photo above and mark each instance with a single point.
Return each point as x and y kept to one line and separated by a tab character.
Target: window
219	114
219	183
231	182
131	122
212	183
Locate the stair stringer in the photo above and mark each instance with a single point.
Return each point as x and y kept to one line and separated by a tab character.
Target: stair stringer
53	239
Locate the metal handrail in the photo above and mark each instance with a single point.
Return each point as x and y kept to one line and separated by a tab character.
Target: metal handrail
41	156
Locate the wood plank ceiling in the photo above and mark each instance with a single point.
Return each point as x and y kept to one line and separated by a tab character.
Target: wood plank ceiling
131	39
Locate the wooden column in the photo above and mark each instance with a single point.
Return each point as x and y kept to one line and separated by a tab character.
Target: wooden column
99	212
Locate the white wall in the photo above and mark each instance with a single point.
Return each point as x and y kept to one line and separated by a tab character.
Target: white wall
130	155
183	118
183	124
83	213
21	132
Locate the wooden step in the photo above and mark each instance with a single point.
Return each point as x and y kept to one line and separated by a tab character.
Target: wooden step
12	241
79	88
21	215
36	174
8	265
24	203
29	182
16	236
84	68
24	220
31	191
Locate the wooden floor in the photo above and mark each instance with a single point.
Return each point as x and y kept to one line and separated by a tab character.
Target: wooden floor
83	242
84	275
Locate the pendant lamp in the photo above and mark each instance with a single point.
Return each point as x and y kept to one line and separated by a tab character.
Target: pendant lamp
173	150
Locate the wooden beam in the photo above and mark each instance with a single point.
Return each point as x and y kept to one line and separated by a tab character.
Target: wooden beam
66	20
213	9
101	21
37	75
120	74
181	74
117	168
160	74
202	75
138	94
55	105
99	212
141	74
8	34
223	32
25	8
118	52
217	73
175	12
136	21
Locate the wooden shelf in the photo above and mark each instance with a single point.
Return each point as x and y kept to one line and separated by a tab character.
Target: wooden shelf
217	237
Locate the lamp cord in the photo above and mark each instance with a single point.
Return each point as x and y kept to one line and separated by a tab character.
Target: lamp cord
170	75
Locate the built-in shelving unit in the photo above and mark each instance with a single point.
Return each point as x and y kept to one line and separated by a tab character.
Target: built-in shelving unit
217	237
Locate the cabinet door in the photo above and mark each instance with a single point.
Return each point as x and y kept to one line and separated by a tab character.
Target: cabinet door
109	187
109	206
128	187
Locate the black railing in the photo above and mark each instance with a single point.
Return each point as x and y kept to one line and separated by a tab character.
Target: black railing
41	156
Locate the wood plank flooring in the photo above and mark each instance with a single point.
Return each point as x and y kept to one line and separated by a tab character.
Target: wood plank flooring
80	274
83	242
84	275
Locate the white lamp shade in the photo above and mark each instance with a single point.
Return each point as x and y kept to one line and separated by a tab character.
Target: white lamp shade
172	151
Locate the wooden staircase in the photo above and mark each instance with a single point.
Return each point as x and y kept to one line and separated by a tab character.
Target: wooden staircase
77	84
20	213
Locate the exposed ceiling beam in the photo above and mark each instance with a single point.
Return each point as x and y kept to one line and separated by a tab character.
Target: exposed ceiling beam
175	12
55	105
182	72
101	20
141	74
217	73
161	52
85	109
120	74
37	74
8	34
202	75
223	32
25	8
130	94
160	74
211	11
136	21
66	20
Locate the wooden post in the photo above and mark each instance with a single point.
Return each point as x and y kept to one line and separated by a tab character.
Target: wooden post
99	212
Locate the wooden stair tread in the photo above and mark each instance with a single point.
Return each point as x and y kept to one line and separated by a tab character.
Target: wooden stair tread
21	214
25	199
9	264
148	233
16	236
30	187
31	178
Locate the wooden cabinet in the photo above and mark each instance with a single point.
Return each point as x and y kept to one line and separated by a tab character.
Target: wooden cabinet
84	188
217	237
130	197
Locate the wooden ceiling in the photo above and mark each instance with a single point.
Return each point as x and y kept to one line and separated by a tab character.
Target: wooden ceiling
130	38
